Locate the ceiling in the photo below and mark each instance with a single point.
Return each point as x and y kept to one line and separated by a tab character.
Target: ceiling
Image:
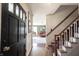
40	10
44	8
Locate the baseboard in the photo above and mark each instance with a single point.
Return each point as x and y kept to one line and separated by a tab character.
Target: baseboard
30	52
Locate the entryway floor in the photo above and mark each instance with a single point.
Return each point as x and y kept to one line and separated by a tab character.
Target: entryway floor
39	47
40	50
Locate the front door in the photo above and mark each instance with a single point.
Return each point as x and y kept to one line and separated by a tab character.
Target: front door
13	41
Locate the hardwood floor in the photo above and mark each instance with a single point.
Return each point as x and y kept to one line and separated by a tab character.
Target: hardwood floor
40	50
39	47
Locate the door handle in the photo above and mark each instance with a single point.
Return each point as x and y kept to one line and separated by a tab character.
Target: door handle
6	48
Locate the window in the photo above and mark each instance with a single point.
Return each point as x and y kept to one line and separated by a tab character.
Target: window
10	7
29	23
21	14
17	10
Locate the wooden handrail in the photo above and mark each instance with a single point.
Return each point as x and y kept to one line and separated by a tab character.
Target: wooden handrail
62	21
69	25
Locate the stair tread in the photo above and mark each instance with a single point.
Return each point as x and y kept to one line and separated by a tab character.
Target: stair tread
74	42
68	47
69	50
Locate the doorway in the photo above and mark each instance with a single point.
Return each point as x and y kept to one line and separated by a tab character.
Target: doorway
39	35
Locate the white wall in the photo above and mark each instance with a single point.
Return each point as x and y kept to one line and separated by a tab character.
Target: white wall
0	26
29	39
29	35
53	20
39	19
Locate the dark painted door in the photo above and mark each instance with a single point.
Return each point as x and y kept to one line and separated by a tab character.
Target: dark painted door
13	34
13	41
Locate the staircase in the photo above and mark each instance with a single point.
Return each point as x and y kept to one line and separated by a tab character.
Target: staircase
67	41
66	20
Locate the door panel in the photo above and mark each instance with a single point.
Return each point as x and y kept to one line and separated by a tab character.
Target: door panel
13	51
20	49
13	28
22	30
